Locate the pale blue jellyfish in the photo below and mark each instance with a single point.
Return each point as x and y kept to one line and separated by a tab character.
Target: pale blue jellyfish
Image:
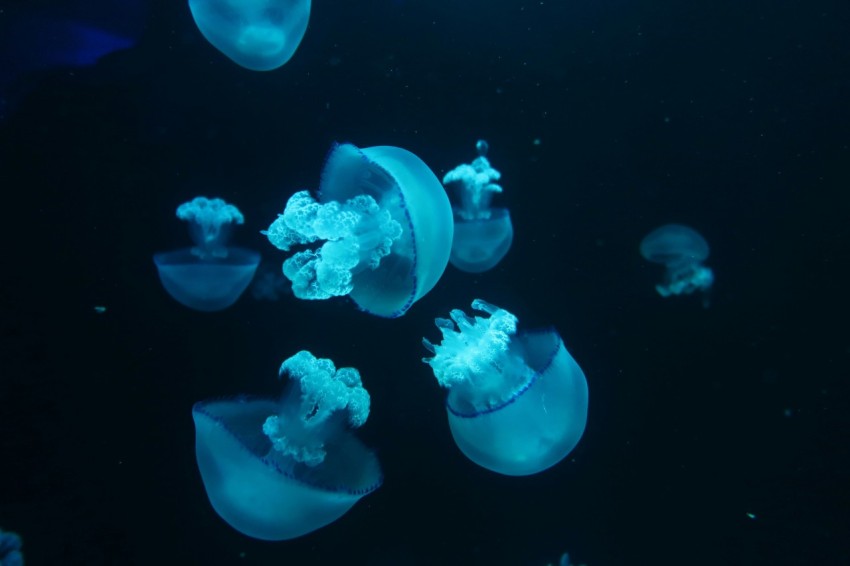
211	275
483	234
10	549
682	251
279	469
260	35
383	225
517	402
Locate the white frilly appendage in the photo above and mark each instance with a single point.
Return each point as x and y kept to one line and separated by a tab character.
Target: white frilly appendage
321	401
356	235
209	223
475	184
476	354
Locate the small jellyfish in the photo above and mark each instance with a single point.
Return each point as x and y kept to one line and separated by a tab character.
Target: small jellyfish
277	470
260	35
483	235
681	250
211	275
517	402
385	227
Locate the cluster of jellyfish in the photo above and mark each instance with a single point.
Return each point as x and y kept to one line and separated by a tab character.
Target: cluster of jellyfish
381	230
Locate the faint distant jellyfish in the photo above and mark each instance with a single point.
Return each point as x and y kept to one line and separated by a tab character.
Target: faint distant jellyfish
681	250
211	275
279	469
483	235
260	35
382	226
517	402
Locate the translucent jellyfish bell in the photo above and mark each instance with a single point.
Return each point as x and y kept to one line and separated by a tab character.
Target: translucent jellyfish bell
276	470
483	235
386	229
260	35
209	276
681	250
517	403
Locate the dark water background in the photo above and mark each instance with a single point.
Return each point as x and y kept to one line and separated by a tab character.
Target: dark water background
731	117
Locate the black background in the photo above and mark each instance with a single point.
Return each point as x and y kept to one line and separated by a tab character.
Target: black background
728	116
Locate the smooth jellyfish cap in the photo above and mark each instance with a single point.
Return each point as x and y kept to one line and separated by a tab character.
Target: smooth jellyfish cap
403	184
260	35
253	494
674	243
480	244
211	284
539	425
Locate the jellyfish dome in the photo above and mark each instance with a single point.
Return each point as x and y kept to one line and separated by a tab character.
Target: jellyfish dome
277	470
210	276
382	226
10	549
517	402
483	235
260	35
682	250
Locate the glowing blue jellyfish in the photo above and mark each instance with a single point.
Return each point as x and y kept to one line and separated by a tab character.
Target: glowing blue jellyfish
276	470
260	35
517	403
10	549
681	250
209	276
35	36
387	229
483	235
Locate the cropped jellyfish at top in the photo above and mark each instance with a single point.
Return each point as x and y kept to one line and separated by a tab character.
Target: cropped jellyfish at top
386	227
517	402
682	251
276	470
260	35
483	234
211	275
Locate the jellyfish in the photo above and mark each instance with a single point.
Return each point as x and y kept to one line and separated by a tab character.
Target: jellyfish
386	227
483	235
38	36
681	250
517	402
276	470
211	275
260	35
10	549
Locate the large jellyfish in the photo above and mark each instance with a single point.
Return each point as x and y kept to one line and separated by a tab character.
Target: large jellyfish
483	234
276	470
517	402
387	229
260	35
211	275
681	250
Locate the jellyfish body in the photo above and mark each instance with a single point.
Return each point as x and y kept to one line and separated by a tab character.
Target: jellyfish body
209	276
681	250
276	470
10	549
260	35
517	403
483	235
385	225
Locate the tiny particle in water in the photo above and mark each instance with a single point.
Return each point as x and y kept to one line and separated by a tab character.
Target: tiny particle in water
99	309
